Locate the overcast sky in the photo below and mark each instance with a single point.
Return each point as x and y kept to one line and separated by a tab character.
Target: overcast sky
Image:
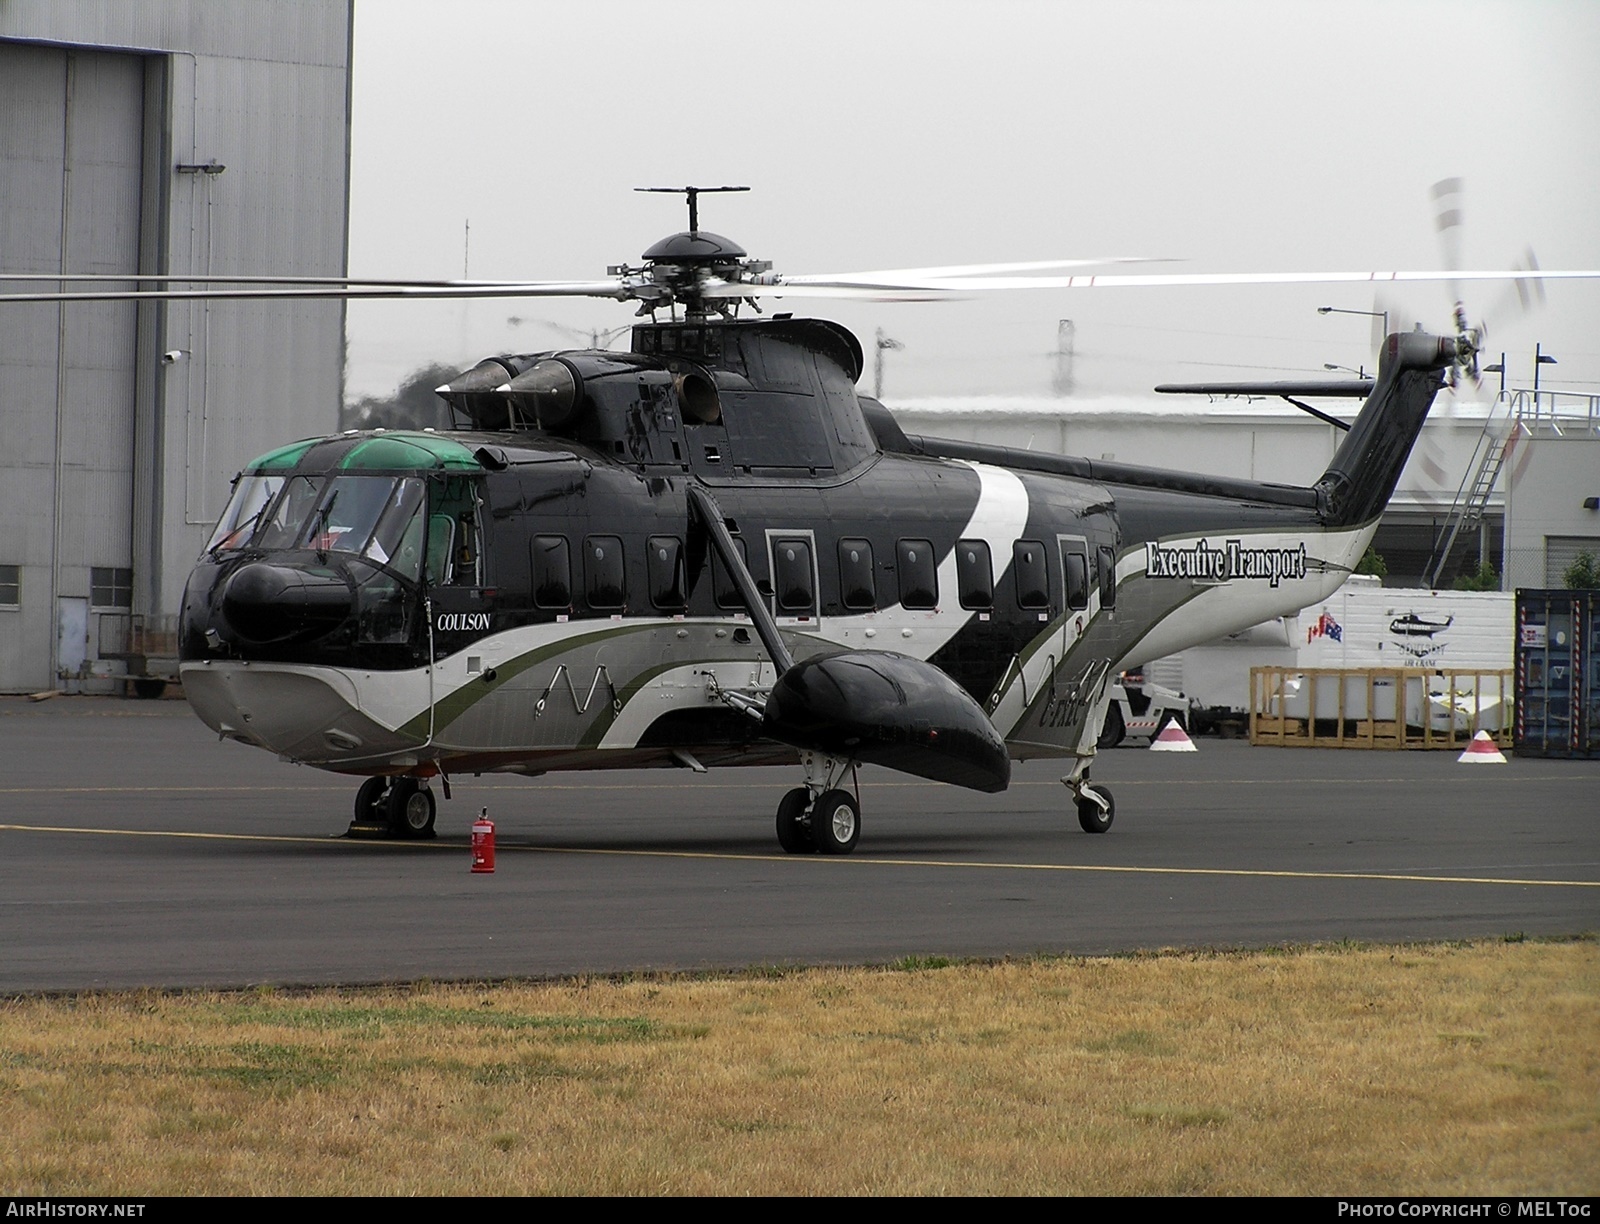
1238	136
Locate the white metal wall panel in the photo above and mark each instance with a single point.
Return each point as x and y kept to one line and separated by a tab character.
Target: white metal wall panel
1560	552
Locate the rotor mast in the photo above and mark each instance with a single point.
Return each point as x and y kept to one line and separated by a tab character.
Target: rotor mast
678	268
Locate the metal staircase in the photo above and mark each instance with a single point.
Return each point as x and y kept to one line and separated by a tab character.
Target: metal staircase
1472	498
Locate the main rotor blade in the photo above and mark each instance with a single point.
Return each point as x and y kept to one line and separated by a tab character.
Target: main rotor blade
173	278
863	293
407	289
900	276
1161	280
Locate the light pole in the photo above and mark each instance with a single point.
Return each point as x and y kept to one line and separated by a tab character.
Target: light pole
1359	373
1500	369
1371	314
1540	357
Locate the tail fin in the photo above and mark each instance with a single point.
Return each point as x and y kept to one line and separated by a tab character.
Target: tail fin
1365	469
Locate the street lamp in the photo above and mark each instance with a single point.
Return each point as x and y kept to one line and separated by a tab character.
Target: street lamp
1361	373
1371	314
1498	368
1540	357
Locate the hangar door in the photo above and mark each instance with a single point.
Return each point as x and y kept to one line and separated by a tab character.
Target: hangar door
71	136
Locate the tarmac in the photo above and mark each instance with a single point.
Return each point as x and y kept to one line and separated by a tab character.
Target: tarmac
138	851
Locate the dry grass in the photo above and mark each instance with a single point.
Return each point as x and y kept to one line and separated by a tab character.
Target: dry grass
1442	1069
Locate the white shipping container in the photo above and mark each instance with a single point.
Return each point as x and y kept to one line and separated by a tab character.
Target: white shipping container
1362	625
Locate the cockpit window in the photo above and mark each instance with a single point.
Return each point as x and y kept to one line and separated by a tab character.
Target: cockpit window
375	516
288	520
348	513
397	539
251	496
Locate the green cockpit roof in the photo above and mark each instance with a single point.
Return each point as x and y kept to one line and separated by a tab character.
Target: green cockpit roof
392	451
283	459
384	452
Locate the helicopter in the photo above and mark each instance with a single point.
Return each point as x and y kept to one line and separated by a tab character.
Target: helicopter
712	550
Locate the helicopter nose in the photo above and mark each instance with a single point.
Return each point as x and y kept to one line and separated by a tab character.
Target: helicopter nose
273	603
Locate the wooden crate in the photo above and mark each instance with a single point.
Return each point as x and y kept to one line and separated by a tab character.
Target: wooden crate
1342	706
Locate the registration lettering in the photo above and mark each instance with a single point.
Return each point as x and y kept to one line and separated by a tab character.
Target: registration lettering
1206	562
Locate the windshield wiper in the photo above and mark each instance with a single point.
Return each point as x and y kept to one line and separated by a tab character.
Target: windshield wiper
322	526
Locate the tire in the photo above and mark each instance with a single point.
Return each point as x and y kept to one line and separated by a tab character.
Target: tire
369	802
147	688
794	835
835	822
411	810
1090	818
1112	730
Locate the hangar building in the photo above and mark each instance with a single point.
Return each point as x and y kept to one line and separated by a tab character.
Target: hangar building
162	137
1515	482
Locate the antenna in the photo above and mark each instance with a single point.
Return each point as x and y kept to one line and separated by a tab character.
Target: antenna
692	193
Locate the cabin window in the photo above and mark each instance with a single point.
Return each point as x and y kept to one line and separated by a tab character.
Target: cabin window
856	588
722	584
974	574
10	586
1076	566
1033	578
919	577
604	583
1108	577
552	572
791	573
665	566
110	587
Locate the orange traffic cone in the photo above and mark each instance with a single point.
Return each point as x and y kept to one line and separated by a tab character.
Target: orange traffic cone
1173	738
1482	751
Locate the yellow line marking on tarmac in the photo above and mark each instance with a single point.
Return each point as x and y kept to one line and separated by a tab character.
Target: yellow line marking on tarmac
850	860
330	840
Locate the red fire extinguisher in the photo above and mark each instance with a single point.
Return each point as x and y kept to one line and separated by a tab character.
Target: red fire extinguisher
483	844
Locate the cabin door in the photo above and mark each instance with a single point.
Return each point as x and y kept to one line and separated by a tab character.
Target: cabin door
1074	591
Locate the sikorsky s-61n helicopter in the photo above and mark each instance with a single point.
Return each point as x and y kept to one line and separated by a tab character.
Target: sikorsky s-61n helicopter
712	550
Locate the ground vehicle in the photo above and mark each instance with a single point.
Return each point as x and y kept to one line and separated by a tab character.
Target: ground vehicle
1139	708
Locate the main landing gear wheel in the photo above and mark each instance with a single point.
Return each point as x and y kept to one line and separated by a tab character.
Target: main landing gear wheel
411	810
1112	730
835	822
794	835
1090	815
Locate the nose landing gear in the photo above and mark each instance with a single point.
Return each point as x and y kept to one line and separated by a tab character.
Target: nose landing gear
401	808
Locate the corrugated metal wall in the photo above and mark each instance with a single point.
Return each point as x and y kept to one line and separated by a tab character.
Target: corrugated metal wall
70	151
102	104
